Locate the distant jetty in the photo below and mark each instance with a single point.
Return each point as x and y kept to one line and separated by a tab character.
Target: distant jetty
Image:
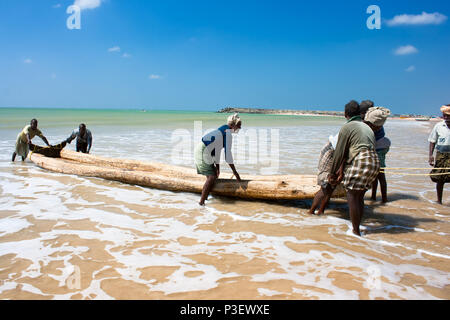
282	112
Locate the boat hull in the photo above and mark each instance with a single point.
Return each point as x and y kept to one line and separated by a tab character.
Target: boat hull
180	179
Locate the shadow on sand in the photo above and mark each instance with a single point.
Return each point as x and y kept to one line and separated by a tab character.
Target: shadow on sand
375	222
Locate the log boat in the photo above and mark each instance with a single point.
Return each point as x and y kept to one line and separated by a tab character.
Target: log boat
174	178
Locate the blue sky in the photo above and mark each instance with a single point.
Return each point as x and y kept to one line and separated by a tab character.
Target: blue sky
204	55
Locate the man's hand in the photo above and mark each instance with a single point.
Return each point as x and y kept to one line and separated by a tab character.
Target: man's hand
333	179
340	178
431	161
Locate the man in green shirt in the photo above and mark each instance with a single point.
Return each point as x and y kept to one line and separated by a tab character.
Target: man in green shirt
356	151
24	140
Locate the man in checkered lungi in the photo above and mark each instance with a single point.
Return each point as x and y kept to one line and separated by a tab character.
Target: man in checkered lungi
356	150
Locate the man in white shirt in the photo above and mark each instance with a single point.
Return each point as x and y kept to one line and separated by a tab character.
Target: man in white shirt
84	139
440	140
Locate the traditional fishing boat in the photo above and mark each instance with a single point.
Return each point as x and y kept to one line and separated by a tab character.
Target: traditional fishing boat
174	178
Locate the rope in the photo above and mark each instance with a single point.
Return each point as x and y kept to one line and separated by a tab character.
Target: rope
416	174
387	171
416	168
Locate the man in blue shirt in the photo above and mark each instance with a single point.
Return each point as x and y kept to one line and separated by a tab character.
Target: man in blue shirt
207	154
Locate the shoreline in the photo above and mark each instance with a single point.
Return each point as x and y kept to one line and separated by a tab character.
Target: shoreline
336	114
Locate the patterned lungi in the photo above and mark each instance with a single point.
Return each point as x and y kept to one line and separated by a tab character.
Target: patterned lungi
363	171
442	161
325	163
203	161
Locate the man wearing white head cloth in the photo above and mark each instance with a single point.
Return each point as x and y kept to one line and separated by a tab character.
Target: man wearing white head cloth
376	118
208	151
440	141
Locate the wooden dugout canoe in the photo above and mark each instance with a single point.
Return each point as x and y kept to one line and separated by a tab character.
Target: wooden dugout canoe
181	179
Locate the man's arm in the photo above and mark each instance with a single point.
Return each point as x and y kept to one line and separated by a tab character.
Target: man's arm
236	174
432	140
431	153
72	136
45	140
89	141
340	151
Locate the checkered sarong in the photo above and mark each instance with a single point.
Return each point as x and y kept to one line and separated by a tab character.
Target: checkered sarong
442	161
363	171
325	163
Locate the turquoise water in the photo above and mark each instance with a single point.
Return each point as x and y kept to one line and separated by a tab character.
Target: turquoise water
14	118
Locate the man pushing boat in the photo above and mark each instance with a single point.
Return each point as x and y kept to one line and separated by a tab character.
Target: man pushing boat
24	138
208	151
84	139
356	149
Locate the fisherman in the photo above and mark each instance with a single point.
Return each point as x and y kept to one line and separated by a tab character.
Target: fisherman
375	118
207	154
356	149
24	138
84	138
440	140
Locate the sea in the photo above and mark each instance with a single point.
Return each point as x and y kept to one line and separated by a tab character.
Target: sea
72	237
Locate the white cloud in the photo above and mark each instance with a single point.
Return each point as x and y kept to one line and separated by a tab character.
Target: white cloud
56	6
154	77
126	55
87	4
411	69
53	75
405	50
27	61
414	20
114	49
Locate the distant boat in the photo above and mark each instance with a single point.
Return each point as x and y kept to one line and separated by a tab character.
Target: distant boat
423	119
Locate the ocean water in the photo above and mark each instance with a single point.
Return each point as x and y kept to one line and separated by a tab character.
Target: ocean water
70	237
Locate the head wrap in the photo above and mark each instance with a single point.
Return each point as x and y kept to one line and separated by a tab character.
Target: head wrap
233	120
377	116
445	110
